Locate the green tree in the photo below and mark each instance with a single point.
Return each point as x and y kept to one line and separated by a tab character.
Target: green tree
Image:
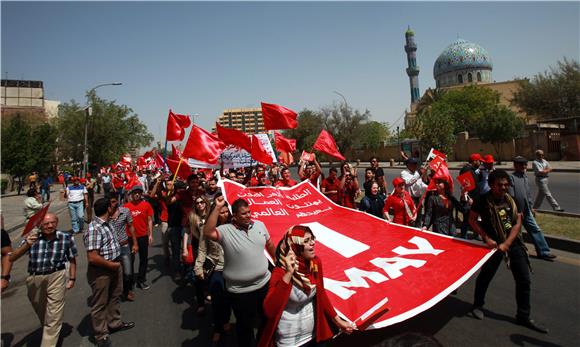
552	94
344	124
468	106
436	128
502	125
309	126
27	148
113	130
371	134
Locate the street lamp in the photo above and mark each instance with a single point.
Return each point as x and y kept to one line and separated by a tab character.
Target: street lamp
343	98
87	114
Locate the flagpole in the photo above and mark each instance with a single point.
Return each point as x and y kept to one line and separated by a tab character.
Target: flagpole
176	171
165	156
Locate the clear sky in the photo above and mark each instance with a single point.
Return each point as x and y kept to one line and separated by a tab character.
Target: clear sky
204	57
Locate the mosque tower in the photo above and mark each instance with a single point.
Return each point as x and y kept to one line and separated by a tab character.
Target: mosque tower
413	69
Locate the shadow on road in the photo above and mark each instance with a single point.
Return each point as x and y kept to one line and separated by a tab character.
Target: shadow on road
523	340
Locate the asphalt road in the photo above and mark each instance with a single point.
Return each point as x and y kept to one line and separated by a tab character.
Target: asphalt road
165	315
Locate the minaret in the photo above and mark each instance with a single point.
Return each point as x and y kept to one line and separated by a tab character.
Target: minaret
413	69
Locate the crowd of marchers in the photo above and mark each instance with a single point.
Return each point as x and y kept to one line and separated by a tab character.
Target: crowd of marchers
218	250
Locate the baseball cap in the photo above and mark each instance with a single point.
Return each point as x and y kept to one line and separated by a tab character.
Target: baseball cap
520	159
397	181
488	158
411	161
136	188
475	156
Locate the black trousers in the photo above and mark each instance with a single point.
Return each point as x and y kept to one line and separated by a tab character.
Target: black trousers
520	271
143	243
247	308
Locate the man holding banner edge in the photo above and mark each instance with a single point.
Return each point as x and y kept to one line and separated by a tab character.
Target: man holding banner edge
500	228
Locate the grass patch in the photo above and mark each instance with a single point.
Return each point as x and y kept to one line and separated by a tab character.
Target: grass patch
568	227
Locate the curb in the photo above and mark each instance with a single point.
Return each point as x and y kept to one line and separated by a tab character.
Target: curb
556	242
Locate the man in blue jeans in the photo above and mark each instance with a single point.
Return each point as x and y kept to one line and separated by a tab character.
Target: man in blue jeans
520	191
77	196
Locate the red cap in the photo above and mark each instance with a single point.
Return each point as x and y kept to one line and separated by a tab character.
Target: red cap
475	156
88	175
488	158
397	181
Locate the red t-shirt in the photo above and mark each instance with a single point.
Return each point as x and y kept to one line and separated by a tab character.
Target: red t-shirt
347	194
330	186
400	215
140	212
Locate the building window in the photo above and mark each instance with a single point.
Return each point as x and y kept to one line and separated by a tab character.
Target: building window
469	78
460	79
479	77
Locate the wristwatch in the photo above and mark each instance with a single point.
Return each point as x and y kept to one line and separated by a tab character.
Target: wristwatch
5	277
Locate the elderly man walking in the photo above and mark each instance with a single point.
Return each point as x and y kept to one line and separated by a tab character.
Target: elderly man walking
49	251
542	170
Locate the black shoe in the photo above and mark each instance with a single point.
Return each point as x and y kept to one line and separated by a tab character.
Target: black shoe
143	285
123	326
529	323
104	342
547	257
477	312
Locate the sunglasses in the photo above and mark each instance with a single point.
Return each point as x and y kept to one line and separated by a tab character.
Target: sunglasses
200	202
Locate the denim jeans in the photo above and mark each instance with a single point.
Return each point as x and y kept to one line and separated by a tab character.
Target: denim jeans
77	215
127	269
45	193
529	222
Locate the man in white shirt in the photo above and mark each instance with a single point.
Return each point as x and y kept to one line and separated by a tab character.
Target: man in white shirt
77	196
541	170
414	184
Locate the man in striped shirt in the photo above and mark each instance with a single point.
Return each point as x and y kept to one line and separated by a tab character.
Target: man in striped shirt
122	223
105	275
49	251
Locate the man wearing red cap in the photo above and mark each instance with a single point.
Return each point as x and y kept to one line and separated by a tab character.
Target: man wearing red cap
472	166
485	169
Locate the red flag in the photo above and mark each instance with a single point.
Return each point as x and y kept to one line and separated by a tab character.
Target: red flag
36	219
286	158
158	160
259	153
234	137
307	156
434	153
184	169
175	153
203	146
467	181
278	117
176	124
436	163
325	144
126	158
132	181
283	144
441	173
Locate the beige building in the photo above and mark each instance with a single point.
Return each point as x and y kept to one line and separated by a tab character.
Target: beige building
26	98
248	120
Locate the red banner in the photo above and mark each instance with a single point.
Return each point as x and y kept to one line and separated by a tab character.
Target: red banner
467	181
370	264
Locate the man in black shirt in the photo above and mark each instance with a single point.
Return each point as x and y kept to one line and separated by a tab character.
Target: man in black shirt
500	228
379	175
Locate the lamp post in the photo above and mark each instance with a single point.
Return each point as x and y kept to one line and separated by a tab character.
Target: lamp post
343	98
88	113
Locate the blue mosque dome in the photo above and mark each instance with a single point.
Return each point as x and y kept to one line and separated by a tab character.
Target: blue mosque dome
462	57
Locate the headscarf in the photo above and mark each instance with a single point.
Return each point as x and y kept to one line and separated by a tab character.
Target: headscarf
304	276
